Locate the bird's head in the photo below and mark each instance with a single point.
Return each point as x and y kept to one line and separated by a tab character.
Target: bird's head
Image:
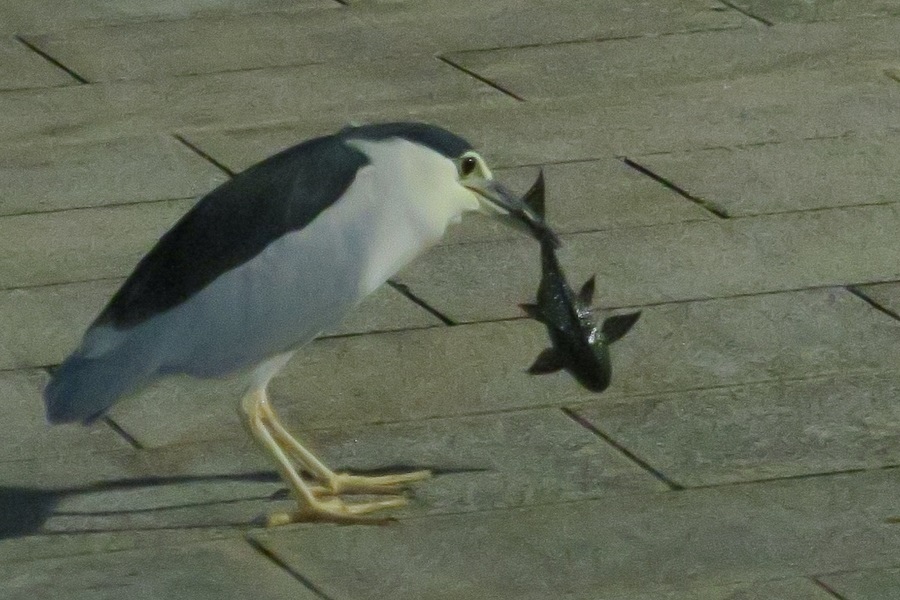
496	200
444	170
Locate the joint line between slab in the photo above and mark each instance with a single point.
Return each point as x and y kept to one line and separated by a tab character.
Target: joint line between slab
480	78
120	431
407	293
265	552
827	589
203	154
871	302
71	72
747	13
706	205
674	486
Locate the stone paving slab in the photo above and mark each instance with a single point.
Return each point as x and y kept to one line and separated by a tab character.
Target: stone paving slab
514	459
586	196
767	108
44	177
665	263
876	584
22	68
789	176
26	431
76	245
49	15
509	23
204	45
481	368
504	460
603	547
761	431
886	295
607	68
214	570
783	11
77	503
51	319
223	99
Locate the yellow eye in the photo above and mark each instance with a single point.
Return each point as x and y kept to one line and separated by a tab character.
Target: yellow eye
468	165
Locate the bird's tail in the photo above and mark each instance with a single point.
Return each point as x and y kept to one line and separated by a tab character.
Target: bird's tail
82	389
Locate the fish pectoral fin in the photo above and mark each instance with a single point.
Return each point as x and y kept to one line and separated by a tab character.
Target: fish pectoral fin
533	311
617	326
586	295
548	361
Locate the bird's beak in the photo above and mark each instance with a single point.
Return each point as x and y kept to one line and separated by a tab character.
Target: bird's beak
500	202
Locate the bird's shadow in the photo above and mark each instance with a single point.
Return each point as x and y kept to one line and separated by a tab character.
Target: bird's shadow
25	510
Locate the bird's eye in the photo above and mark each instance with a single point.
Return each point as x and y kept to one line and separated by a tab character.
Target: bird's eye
468	165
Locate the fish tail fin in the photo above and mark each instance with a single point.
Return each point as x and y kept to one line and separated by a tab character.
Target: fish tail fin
617	326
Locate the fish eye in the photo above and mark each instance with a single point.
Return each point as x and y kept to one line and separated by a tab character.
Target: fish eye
468	165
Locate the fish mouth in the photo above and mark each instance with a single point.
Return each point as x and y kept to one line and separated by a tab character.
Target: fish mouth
500	202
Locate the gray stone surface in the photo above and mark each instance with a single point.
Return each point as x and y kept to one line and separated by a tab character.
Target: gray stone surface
586	196
604	547
494	461
782	11
22	68
480	368
222	99
76	245
876	584
27	433
204	45
886	295
215	570
505	460
51	319
792	176
609	68
44	177
777	106
745	384
761	431
48	15
664	263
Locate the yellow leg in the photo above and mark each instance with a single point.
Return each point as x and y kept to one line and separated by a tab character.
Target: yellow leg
335	483
309	507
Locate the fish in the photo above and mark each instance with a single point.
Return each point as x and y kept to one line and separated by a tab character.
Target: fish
578	345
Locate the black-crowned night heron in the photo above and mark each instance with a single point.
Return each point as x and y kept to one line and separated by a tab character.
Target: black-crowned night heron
267	261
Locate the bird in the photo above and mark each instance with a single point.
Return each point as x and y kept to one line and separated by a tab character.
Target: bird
266	262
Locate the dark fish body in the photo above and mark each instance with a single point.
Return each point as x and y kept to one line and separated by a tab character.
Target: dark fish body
578	345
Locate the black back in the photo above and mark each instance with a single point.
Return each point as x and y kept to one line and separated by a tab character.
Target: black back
237	220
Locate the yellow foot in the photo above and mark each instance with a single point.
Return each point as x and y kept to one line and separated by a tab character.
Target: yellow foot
335	510
345	483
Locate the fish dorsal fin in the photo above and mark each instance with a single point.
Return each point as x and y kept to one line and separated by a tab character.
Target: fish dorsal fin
533	311
548	361
586	295
534	197
617	326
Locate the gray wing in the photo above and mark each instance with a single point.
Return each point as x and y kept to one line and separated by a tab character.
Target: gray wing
233	282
